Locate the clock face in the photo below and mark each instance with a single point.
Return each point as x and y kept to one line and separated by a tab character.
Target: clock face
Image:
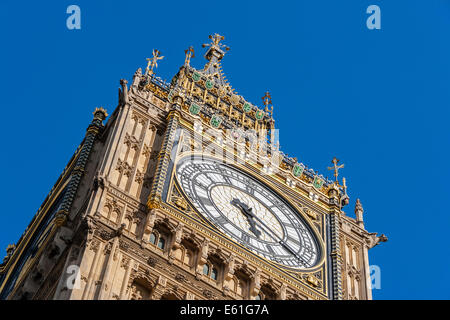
248	211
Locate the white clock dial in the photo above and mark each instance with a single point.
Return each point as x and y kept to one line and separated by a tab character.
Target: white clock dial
222	196
248	211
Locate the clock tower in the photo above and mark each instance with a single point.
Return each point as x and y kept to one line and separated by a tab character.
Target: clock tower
183	193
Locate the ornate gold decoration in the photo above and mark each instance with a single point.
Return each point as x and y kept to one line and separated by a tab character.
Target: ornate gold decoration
267	100
180	202
189	54
153	62
154	203
310	213
101	111
312	280
216	39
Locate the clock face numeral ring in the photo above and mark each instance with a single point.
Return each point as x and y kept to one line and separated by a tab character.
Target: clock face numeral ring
248	211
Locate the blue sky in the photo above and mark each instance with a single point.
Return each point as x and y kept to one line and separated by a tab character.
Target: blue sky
376	99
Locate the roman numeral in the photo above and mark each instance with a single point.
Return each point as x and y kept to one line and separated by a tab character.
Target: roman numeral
201	185
290	239
221	220
205	201
245	237
250	189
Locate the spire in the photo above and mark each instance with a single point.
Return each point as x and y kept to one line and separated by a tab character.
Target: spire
267	101
78	170
215	52
214	55
344	198
359	212
189	54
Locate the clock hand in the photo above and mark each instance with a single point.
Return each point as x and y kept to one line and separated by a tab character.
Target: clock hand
248	214
271	233
251	218
280	241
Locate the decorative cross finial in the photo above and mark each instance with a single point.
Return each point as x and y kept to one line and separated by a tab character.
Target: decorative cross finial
216	38
152	62
215	52
336	167
189	54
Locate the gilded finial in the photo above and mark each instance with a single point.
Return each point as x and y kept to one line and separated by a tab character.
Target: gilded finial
267	100
216	38
153	62
100	113
345	200
336	167
215	52
189	54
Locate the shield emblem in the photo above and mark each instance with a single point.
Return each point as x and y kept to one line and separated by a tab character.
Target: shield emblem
236	133
318	182
215	121
298	169
247	107
222	91
235	99
196	76
209	84
259	114
194	109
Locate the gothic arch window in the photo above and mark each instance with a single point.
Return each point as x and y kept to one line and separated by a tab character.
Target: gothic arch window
186	253
206	269
162	242
188	257
114	216
153	238
214	273
240	287
160	237
213	269
355	257
242	284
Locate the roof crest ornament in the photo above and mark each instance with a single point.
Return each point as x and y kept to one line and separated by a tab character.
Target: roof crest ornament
153	62
189	54
267	100
336	168
215	46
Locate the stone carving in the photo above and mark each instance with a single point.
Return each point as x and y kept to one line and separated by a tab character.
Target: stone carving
180	278
94	245
123	94
152	261
123	167
135	293
374	239
208	294
125	262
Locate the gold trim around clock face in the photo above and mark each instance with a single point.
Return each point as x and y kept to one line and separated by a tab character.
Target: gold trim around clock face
273	189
